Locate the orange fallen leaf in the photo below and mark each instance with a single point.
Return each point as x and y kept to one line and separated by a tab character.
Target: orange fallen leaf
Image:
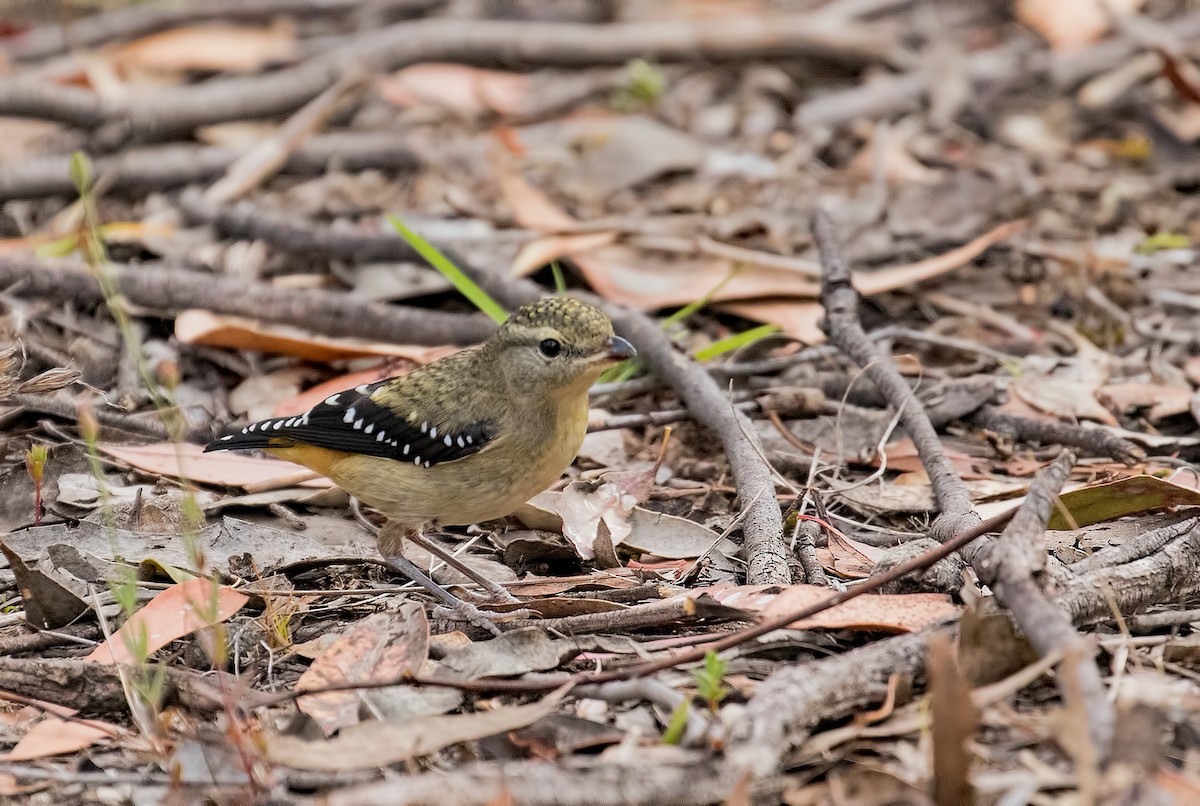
885	612
178	611
799	319
187	461
463	89
531	208
896	277
208	47
205	327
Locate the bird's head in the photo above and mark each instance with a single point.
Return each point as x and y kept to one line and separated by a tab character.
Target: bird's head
556	346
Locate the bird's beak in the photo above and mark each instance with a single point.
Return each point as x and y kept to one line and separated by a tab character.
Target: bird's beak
618	349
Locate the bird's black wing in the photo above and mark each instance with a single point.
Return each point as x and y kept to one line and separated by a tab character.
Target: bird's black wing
354	422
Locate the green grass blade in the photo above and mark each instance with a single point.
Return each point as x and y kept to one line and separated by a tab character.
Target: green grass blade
465	285
735	342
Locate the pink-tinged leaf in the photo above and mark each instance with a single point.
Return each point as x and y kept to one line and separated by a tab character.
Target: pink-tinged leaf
383	646
178	611
54	736
466	90
183	460
209	47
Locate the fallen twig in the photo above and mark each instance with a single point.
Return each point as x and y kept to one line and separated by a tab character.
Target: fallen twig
171	166
171	288
1014	567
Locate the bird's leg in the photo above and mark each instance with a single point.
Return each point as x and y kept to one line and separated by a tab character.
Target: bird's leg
391	544
497	593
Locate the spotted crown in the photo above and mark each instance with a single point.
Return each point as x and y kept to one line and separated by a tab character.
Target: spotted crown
577	321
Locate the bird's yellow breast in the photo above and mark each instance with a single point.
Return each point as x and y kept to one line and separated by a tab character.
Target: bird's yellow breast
523	460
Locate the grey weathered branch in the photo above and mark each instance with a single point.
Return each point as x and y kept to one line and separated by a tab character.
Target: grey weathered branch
170	288
170	166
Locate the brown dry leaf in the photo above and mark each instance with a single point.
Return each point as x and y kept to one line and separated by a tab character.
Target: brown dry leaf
954	720
178	611
462	89
212	47
187	461
886	497
205	327
54	736
900	612
378	744
383	646
530	206
1072	24
848	559
1162	401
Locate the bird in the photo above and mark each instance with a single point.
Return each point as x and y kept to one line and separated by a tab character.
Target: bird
465	439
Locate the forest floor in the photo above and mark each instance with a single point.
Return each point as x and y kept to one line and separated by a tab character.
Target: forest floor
897	504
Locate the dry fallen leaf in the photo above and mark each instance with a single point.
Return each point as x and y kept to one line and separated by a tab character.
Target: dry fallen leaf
383	646
1072	24
1162	401
187	461
208	47
204	327
462	89
54	736
178	611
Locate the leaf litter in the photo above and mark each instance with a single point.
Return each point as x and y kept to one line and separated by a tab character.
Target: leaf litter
1039	240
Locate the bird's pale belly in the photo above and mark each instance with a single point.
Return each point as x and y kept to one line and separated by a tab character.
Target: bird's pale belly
501	478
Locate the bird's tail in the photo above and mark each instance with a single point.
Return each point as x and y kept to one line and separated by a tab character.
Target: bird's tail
255	435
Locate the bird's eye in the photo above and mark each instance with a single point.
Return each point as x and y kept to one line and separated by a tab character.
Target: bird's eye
550	348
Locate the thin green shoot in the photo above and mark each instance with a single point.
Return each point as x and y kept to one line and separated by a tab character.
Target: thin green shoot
560	281
678	722
736	342
464	284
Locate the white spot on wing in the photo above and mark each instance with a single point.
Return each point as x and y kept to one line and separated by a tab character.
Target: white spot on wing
406	447
469	440
461	444
417	461
278	424
227	438
358	423
433	432
424	426
252	426
449	441
382	434
362	388
349	418
370	427
332	399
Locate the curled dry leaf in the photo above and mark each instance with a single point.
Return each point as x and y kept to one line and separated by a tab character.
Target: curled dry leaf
178	611
213	330
383	646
